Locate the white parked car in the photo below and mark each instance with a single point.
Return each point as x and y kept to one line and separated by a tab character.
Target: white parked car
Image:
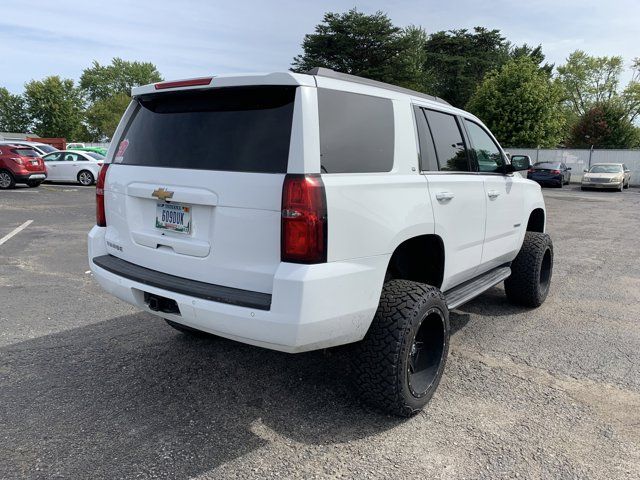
40	148
73	166
303	211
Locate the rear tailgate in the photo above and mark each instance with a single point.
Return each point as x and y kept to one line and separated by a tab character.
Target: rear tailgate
196	184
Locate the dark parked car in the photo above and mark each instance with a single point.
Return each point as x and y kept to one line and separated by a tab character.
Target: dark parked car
20	164
550	173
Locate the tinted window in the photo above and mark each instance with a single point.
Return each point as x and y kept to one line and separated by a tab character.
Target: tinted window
452	155
428	159
486	151
25	152
547	166
244	129
356	132
95	156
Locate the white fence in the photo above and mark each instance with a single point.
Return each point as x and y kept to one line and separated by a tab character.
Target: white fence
578	160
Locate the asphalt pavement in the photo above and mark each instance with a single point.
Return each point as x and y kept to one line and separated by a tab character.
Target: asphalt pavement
92	388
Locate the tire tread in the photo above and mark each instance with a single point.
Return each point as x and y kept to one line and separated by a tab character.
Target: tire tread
376	361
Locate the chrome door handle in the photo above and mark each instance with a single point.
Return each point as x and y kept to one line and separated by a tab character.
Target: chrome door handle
444	195
493	193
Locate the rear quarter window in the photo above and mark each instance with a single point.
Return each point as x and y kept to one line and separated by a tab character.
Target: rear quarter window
356	132
238	129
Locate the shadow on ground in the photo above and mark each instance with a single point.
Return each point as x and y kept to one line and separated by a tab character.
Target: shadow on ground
131	396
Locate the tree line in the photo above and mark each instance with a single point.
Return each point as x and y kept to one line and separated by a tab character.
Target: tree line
88	111
524	100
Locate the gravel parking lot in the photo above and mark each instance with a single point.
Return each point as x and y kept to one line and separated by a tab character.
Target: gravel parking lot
92	388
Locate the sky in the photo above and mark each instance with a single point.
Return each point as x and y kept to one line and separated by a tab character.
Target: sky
189	38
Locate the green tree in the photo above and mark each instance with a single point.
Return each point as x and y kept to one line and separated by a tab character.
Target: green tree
104	115
13	113
366	45
631	93
519	103
107	89
605	125
100	82
55	106
589	81
535	54
458	60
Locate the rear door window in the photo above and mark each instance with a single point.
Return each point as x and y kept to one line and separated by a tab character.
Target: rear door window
238	129
447	137
356	132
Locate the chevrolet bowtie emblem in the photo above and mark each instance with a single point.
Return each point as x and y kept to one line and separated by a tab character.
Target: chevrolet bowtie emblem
162	194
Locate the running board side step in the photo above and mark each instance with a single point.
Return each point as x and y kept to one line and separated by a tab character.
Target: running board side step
463	293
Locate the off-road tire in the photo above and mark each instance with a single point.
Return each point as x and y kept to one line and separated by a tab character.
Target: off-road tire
33	183
531	271
381	361
8	180
194	332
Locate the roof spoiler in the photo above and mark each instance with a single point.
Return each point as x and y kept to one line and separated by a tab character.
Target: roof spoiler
327	72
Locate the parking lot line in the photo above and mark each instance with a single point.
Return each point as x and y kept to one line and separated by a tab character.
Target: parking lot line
15	231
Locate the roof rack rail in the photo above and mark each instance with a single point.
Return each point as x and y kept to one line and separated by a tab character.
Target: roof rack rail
327	72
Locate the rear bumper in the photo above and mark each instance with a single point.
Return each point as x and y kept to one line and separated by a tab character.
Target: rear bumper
30	176
547	180
311	306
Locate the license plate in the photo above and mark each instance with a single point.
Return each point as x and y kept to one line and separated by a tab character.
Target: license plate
173	217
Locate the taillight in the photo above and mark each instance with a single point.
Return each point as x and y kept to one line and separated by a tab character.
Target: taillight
17	160
304	219
531	170
556	171
101	218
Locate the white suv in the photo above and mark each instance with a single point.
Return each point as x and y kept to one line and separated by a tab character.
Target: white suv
303	211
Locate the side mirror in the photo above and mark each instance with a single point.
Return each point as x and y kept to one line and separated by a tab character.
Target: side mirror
585	171
521	162
568	168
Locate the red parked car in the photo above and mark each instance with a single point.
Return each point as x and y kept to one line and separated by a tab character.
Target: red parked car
19	164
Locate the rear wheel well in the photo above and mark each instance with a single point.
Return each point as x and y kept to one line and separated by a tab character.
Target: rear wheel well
419	259
536	221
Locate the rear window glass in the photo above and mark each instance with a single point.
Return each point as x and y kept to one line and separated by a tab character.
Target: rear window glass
244	129
95	155
25	152
547	165
356	132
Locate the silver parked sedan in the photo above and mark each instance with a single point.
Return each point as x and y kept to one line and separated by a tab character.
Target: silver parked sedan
614	176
